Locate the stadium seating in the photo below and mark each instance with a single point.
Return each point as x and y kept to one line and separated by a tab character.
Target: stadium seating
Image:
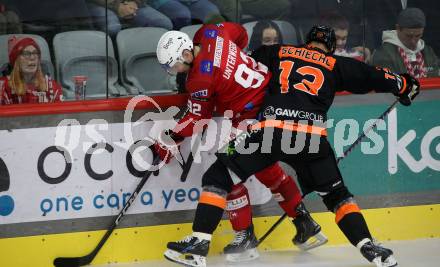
84	53
191	29
140	71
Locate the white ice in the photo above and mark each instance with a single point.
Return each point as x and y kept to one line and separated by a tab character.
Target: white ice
422	252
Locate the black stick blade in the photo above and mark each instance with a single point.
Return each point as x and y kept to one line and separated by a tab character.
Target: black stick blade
71	261
187	167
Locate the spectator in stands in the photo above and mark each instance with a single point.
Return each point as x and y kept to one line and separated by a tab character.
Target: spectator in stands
342	27
184	12
241	11
9	21
229	9
134	12
265	32
27	83
430	8
266	9
48	17
367	18
403	50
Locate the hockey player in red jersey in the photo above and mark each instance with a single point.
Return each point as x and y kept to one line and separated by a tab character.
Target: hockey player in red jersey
301	90
221	77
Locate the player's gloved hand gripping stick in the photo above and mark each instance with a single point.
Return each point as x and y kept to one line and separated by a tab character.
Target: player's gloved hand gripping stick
171	148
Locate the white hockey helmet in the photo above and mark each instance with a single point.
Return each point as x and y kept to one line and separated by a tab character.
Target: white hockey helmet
170	49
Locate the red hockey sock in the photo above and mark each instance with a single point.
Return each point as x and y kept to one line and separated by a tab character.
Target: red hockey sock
283	188
288	196
239	208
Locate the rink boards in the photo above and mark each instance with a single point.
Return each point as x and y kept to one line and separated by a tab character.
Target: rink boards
148	243
395	176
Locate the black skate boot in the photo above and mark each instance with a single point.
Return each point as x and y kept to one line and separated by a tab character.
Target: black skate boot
243	247
308	232
190	251
382	257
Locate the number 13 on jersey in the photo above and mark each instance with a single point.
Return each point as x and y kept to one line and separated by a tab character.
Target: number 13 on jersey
310	86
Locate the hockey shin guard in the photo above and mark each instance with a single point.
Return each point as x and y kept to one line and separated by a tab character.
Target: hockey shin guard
283	187
352	223
239	208
210	209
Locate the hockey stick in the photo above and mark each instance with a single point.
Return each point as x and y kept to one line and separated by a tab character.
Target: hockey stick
272	228
190	160
362	136
345	154
84	260
187	167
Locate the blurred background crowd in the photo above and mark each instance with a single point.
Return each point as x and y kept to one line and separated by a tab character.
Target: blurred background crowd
51	49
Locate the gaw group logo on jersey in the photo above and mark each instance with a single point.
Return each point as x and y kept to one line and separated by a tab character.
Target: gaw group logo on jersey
6	201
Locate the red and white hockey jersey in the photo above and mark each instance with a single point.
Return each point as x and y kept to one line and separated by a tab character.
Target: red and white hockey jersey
223	77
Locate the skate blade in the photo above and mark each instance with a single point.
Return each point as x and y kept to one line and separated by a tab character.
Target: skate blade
248	255
315	241
183	259
389	262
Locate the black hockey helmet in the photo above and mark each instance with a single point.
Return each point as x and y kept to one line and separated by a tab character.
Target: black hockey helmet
324	35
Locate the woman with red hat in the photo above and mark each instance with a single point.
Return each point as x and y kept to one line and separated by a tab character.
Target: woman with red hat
27	83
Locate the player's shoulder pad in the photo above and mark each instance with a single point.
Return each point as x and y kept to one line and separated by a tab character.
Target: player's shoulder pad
210	31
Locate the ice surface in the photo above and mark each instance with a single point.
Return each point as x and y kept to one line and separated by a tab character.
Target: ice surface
422	252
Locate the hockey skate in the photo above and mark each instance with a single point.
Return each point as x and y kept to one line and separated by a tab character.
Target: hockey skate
243	247
308	232
382	257
190	251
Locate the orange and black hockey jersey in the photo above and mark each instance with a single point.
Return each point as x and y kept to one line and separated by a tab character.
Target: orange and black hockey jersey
304	81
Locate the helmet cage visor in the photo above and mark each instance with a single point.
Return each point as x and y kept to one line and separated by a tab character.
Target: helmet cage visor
171	66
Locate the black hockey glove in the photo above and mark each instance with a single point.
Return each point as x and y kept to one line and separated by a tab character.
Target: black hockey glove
410	90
